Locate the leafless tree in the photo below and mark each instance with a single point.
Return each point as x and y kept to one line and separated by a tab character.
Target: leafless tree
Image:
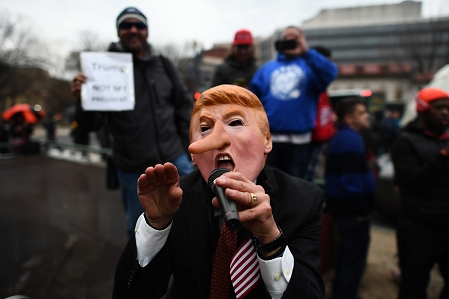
186	59
427	47
19	48
178	54
89	42
19	45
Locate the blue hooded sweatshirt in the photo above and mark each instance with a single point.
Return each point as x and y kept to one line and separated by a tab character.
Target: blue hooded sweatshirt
289	88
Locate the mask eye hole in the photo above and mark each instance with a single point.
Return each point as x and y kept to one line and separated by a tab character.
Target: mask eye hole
236	123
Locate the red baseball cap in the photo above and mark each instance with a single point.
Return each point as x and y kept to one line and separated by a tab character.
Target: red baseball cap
243	37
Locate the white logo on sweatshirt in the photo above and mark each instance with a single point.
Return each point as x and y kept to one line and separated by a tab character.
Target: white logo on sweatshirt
287	82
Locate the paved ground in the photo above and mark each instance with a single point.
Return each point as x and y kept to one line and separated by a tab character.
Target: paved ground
63	232
378	281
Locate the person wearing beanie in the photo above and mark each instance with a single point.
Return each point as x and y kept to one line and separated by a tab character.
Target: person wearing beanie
289	89
239	66
132	29
157	129
420	157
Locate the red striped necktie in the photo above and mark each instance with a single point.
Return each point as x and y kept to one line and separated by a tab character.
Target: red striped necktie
245	273
239	267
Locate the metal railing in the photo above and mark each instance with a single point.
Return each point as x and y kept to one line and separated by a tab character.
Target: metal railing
43	147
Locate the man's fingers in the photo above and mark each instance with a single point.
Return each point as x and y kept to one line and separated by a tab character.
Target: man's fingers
150	177
252	199
159	172
171	171
235	181
167	173
76	84
262	210
80	78
142	182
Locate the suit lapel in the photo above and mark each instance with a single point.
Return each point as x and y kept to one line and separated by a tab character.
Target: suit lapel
268	182
199	229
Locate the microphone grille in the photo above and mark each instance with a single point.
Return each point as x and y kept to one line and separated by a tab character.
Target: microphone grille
217	172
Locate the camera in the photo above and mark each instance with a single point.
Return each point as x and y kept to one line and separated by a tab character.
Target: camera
282	45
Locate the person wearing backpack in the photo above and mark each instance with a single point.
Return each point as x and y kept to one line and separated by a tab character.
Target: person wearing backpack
157	129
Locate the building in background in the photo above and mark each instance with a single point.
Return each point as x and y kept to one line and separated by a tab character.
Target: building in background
389	49
212	58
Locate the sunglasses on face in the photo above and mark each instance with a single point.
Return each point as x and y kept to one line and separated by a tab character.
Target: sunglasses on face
129	25
243	47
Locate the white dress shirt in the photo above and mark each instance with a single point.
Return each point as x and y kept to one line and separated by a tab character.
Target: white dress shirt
276	273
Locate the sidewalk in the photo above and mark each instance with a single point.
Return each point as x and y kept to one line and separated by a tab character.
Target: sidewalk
378	281
62	231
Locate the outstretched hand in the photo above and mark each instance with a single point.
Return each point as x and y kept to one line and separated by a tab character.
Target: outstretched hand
159	194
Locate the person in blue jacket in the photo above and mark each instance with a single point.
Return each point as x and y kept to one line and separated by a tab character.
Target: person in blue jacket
350	193
288	88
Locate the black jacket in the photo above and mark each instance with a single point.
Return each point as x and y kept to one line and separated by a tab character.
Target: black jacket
190	247
422	174
231	72
157	130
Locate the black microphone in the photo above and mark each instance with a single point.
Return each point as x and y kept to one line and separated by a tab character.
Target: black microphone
228	207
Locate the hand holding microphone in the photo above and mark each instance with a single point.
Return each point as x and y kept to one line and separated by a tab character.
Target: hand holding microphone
228	207
255	216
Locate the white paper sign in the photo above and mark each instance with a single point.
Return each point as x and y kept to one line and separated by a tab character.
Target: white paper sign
110	81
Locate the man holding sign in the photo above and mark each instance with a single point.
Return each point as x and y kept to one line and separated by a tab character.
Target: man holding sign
156	129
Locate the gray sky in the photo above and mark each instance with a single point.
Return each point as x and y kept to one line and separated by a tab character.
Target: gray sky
60	23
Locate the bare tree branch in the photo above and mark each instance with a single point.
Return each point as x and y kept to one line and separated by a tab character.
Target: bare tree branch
19	48
427	48
89	42
186	59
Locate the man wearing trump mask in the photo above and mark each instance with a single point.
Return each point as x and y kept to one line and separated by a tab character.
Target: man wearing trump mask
272	253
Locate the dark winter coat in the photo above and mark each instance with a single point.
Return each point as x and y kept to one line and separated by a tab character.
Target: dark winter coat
157	130
232	72
422	175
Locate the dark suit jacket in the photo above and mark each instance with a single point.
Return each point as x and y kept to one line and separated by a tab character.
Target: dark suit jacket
190	247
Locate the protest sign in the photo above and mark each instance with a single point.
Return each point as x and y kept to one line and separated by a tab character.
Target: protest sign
110	81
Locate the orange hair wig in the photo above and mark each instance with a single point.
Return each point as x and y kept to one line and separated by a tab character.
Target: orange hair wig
232	94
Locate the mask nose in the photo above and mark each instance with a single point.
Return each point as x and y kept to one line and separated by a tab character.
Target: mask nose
218	139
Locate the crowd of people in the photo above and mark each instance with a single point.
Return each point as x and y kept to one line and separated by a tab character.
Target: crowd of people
259	125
